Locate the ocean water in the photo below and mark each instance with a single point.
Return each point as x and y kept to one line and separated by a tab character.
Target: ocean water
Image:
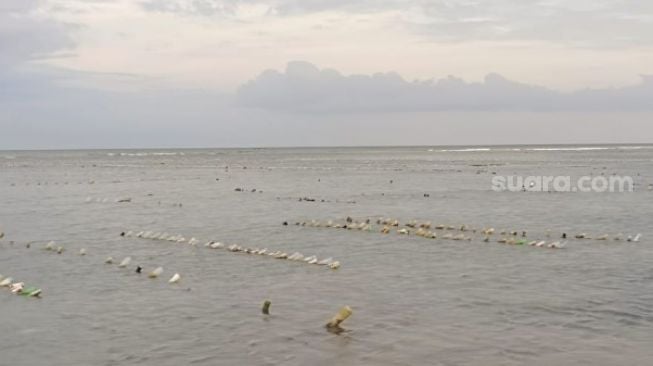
414	300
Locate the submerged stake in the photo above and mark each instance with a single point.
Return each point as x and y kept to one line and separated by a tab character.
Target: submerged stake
340	317
266	307
156	272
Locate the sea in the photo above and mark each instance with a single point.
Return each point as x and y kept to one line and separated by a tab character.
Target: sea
414	300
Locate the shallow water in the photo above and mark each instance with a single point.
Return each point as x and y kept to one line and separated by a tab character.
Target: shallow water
415	301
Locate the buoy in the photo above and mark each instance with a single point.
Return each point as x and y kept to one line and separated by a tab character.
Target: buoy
60	250
266	307
310	258
6	282
556	245
156	273
109	260
175	278
340	317
82	251
296	256
125	262
325	262
50	246
16	288
35	293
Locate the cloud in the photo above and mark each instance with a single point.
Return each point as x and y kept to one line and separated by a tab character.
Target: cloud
584	23
275	7
25	36
192	7
305	88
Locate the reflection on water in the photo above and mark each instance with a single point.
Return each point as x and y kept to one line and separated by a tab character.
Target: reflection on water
414	301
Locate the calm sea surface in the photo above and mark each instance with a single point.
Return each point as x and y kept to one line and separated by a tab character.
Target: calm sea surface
415	301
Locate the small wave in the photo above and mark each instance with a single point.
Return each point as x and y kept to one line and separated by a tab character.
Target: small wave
168	153
552	148
466	150
141	154
569	148
634	147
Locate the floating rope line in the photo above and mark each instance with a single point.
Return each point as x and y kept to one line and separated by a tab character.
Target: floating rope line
234	248
429	231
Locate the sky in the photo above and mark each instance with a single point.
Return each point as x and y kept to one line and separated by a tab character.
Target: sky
230	73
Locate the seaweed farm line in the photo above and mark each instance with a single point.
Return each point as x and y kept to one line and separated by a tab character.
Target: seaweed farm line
424	230
235	248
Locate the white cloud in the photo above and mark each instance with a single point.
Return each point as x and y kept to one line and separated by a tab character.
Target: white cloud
26	36
218	44
595	23
305	88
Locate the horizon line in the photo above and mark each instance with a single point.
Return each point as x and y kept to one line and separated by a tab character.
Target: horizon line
593	144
